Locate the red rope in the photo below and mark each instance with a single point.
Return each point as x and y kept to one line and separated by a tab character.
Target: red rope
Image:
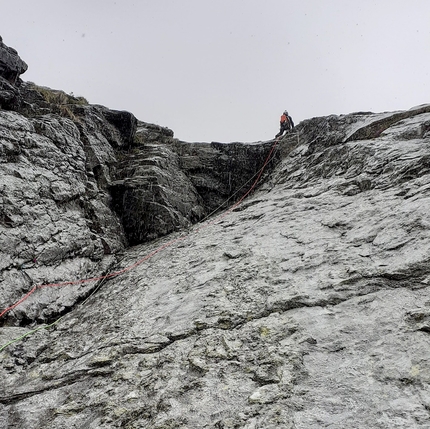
149	255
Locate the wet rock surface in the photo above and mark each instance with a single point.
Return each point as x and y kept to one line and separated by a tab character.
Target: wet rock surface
307	306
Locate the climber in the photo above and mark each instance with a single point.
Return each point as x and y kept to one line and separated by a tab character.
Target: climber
286	123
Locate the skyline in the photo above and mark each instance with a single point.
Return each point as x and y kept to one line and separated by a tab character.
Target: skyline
225	71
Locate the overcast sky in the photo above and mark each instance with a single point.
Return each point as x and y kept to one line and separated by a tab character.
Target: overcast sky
224	70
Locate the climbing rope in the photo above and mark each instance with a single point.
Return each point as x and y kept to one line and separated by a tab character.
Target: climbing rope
170	243
28	333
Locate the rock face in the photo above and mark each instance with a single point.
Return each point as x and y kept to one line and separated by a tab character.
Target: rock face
11	65
164	185
306	306
79	183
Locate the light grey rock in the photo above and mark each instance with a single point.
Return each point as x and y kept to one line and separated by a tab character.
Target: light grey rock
306	306
47	214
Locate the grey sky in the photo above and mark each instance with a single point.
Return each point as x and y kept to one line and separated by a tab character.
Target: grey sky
224	70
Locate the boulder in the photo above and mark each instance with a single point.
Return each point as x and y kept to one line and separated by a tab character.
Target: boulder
11	65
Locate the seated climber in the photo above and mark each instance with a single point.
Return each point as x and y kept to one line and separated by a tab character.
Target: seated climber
287	124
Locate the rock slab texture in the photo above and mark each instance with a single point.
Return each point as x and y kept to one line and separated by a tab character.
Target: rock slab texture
307	306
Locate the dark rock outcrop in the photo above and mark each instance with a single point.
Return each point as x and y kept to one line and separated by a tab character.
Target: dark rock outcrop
163	185
11	65
219	171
